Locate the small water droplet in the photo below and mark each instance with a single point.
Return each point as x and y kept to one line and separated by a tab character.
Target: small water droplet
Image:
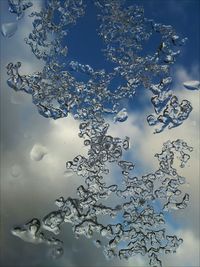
121	116
97	243
68	173
15	170
56	252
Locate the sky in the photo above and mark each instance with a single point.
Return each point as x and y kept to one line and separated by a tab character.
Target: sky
29	187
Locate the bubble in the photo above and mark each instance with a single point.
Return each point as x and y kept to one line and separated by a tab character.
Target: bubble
38	152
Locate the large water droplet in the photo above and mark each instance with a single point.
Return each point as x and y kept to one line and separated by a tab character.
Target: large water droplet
9	29
38	152
192	85
29	232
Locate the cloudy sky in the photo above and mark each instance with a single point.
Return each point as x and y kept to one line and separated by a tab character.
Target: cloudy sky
30	182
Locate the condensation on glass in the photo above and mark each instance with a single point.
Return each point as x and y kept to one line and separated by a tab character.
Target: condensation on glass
56	91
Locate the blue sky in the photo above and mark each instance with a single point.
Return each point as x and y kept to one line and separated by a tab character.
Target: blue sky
85	46
32	193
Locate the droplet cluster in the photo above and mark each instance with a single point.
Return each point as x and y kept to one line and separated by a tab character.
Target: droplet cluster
56	91
18	7
137	224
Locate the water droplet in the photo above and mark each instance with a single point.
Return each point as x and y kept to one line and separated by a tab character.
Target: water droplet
9	29
17	98
192	85
97	243
126	143
29	232
15	170
68	173
121	116
38	152
53	220
56	252
152	120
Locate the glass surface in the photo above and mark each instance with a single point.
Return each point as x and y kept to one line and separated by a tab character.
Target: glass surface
73	96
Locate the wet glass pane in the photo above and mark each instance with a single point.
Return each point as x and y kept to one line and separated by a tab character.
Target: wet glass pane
99	133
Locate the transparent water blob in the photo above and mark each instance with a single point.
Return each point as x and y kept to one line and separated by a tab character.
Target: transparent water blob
8	29
97	243
68	173
56	252
29	232
38	152
121	116
17	98
15	170
192	85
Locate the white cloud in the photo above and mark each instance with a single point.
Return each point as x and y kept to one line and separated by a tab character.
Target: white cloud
187	254
146	145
